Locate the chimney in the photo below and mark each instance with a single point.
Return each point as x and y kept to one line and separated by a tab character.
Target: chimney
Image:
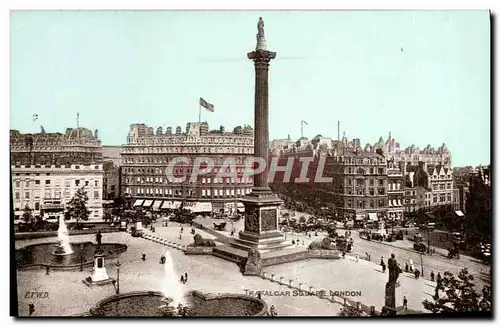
338	130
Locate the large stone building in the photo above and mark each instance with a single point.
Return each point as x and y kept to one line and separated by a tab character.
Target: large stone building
147	154
395	191
111	166
358	188
48	168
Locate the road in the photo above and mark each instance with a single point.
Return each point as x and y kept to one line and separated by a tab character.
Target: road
436	263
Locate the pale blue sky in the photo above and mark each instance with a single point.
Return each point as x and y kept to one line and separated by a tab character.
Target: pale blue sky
118	68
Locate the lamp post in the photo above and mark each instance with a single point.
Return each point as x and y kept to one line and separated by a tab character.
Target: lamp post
81	257
422	264
118	276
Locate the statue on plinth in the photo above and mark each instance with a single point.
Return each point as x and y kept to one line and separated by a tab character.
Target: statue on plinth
261	40
394	269
390	287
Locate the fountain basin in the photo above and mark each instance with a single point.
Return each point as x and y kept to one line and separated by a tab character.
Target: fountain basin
148	303
42	255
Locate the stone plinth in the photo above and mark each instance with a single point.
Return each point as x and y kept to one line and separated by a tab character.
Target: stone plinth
389	308
99	274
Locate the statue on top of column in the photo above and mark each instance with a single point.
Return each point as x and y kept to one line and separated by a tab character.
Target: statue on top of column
261	40
260	27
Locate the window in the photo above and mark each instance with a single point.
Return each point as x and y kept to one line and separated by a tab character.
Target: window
449	197
77	183
372	204
220	192
360	182
37	182
380	170
27	184
372	192
47	182
381	203
66	193
208	192
96	183
380	182
86	183
57	194
448	186
372	182
37	194
203	192
349	182
66	183
371	170
17	196
37	206
442	198
434	199
349	204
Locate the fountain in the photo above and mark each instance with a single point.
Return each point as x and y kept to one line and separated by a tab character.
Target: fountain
64	247
174	301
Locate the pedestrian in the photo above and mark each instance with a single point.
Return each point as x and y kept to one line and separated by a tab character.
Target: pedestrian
309	235
143	257
31	308
405	303
185	277
293	242
47	270
303	243
382	261
411	266
383	267
182	229
180	236
417	274
357	257
438	278
407	268
162	259
343	254
182	279
272	311
432	276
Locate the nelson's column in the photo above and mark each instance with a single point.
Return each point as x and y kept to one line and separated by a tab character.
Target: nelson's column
261	240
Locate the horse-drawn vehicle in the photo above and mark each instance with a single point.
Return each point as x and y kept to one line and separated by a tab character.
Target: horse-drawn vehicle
220	227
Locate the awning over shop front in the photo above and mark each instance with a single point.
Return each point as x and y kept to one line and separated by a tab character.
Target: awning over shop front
459	213
399	202
372	216
138	202
360	217
167	204
176	204
390	203
147	203
157	204
190	206
203	207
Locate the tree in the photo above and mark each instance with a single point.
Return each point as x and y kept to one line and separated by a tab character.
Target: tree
28	215
77	206
350	311
459	295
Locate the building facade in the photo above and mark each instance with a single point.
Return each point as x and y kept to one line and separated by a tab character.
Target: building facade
395	191
48	168
147	154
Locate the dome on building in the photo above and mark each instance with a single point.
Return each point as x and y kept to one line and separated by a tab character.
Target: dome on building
76	133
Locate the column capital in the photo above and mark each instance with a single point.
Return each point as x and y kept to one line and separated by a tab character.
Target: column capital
261	56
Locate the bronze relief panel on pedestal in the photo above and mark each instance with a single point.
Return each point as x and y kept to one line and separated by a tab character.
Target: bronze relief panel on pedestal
268	218
252	219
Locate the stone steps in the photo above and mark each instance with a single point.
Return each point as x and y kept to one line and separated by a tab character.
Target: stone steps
157	239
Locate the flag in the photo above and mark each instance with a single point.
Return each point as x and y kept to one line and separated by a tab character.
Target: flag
304	122
206	105
35	117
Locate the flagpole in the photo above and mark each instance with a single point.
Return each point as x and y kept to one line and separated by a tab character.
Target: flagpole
199	114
